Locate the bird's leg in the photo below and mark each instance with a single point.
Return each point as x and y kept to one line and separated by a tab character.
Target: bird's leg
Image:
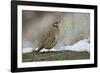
49	50
48	53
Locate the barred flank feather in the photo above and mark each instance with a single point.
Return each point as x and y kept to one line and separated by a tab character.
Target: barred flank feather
50	42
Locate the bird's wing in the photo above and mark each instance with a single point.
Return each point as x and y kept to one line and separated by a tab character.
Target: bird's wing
47	37
42	40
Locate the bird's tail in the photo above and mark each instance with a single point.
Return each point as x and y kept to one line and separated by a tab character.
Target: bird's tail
39	49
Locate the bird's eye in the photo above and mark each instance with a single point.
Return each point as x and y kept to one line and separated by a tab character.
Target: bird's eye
54	24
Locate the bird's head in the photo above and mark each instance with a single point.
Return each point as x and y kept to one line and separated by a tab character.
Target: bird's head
56	24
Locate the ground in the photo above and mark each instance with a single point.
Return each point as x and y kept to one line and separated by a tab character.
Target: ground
54	55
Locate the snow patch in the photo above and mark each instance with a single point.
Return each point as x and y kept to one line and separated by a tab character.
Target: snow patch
82	45
27	50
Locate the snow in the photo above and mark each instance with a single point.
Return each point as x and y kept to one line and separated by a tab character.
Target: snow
81	45
26	50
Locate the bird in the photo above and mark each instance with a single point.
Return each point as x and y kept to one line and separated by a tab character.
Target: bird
49	39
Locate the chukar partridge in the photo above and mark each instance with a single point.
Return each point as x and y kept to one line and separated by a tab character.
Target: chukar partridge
49	39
